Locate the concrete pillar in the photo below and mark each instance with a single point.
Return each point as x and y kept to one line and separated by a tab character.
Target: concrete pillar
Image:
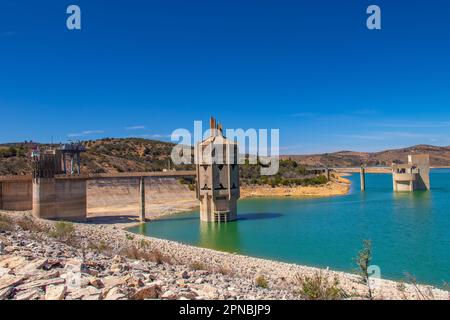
78	163
362	174
142	198
44	198
64	163
1	196
71	166
63	199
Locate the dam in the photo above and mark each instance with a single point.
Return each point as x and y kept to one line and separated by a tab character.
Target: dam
57	189
72	197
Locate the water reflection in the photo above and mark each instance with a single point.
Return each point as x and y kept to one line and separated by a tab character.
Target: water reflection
419	200
222	236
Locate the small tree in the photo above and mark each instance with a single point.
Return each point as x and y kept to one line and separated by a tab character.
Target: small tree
363	260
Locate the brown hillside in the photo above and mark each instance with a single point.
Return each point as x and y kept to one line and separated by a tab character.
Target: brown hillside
439	156
113	155
109	155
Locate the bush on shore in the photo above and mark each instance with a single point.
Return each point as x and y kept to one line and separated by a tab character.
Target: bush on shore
5	223
63	231
318	287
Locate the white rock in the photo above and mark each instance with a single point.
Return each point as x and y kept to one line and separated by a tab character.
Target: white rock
169	294
32	294
9	281
55	292
73	265
13	262
4	271
114	294
31	267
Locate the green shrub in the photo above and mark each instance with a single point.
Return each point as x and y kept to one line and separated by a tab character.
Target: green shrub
63	231
363	261
318	287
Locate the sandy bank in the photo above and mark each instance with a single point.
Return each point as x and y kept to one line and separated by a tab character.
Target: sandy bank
333	188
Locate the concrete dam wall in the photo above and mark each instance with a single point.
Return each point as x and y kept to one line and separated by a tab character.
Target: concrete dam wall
16	196
113	197
108	197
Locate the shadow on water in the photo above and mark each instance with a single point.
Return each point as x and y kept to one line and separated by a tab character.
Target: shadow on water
258	216
189	218
241	216
112	219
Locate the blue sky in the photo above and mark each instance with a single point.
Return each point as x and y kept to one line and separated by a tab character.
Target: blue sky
310	68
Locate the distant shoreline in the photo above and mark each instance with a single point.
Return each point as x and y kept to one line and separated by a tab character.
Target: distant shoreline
330	189
375	169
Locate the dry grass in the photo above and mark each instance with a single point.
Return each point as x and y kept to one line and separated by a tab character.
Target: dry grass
6	223
223	269
261	282
29	224
198	265
154	255
422	292
101	247
318	287
144	244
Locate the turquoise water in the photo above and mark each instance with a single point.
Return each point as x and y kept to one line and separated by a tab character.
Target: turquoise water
410	232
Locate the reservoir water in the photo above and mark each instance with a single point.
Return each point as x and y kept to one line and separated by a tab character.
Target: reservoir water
410	232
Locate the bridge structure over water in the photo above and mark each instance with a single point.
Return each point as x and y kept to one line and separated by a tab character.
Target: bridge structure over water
64	196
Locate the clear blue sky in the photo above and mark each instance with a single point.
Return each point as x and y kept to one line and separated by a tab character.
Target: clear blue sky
310	68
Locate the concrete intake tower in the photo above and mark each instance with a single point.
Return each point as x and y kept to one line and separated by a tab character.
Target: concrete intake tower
415	175
217	176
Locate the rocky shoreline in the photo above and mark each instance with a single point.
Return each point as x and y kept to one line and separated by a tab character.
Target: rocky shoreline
39	262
